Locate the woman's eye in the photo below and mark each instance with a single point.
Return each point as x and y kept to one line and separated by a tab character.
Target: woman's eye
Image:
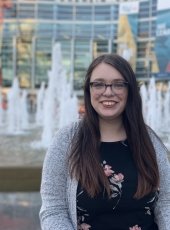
98	84
119	85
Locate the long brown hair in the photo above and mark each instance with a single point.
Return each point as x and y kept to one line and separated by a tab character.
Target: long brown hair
84	158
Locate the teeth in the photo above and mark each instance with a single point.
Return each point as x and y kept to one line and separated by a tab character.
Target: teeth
108	103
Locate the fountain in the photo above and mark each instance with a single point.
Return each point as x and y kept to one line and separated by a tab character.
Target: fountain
16	135
151	113
24	118
59	109
17	113
50	113
166	109
156	109
57	106
144	95
59	100
159	111
13	112
68	100
40	104
51	106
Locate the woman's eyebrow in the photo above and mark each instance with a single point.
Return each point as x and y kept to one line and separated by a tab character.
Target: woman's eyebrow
99	79
103	79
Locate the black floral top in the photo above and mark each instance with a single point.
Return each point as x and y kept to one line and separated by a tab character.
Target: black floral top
121	211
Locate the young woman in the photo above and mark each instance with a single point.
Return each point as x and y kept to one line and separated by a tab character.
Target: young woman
109	171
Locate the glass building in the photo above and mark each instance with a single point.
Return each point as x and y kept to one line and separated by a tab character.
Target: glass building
138	30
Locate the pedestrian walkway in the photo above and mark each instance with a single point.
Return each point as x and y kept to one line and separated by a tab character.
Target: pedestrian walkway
20	211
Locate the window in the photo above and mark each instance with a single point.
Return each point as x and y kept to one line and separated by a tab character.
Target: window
83	13
113	31
9	29
82	59
45	29
43	49
45	11
26	10
114	12
7	61
64	12
66	53
143	29
102	31
11	12
64	31
100	47
102	13
83	30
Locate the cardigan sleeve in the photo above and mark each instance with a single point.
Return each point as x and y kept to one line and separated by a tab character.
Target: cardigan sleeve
162	208
54	210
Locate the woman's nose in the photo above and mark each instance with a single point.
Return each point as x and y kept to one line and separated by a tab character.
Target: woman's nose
108	91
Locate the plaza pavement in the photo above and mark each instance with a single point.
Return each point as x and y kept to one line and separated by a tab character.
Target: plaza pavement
20	175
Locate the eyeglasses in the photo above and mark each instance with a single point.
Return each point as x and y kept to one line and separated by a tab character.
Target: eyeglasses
117	87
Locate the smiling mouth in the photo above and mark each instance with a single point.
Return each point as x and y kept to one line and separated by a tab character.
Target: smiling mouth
108	103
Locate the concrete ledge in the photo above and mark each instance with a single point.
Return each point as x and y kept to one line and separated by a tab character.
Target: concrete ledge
20	179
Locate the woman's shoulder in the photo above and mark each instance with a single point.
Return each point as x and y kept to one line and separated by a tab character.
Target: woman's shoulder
160	148
61	141
68	130
156	140
64	135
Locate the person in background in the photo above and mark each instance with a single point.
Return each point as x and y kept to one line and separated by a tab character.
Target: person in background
109	170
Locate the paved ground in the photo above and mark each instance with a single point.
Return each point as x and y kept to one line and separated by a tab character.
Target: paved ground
19	210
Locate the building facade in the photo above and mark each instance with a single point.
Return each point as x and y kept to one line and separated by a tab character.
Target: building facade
138	30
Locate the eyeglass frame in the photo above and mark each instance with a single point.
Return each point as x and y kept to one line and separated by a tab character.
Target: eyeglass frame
125	85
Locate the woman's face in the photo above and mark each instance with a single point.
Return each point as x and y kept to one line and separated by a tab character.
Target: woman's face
108	101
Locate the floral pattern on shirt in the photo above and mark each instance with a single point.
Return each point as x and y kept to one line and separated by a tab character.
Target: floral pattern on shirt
136	227
116	191
114	179
148	210
84	227
81	218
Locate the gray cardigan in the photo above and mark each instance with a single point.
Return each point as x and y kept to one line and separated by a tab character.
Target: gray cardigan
58	190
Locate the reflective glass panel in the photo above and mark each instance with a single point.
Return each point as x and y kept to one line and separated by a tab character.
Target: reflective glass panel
26	10
83	30
45	29
64	30
83	13
45	11
102	13
64	12
102	31
82	59
43	49
11	12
